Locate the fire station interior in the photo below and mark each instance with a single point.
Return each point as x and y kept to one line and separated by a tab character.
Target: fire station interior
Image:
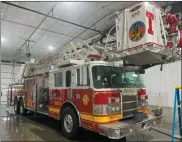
91	71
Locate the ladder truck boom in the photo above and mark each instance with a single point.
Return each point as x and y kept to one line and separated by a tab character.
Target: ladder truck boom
142	31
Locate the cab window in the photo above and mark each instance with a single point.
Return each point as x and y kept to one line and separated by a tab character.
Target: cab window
68	78
58	77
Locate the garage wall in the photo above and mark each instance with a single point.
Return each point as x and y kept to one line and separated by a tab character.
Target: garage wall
163	82
7	78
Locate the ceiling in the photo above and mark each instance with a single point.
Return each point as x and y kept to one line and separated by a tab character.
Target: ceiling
20	25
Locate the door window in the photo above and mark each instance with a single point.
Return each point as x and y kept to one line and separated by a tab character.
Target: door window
68	78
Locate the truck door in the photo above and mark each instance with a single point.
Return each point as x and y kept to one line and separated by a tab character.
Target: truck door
68	84
82	91
34	95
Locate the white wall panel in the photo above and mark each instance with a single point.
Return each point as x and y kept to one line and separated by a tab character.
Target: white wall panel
162	82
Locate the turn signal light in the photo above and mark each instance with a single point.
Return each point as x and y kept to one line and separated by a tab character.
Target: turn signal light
141	92
169	44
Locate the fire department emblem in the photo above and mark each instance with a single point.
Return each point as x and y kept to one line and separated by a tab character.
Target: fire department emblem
136	31
85	99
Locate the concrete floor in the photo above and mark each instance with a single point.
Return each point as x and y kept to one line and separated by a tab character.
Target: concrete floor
42	128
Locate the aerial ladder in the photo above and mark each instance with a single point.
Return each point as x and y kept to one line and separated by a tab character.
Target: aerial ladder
144	35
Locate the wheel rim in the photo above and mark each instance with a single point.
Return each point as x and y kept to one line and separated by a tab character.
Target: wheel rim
15	105
68	123
21	109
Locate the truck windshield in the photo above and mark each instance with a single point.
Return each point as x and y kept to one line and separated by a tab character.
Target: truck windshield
115	77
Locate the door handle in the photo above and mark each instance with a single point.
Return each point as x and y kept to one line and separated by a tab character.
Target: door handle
78	96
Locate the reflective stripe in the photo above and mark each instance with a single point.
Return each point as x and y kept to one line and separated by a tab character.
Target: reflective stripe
100	119
55	110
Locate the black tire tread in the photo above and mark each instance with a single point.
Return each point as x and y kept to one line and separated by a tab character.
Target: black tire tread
24	110
72	135
18	106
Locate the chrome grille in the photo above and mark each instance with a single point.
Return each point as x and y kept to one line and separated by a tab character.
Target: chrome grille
129	105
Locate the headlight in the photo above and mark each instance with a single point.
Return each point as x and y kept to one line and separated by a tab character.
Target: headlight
100	109
113	109
117	108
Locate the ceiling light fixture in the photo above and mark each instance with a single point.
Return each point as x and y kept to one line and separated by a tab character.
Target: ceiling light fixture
2	39
51	48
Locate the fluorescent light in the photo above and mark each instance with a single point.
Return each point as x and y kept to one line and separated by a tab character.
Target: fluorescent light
135	75
2	39
51	48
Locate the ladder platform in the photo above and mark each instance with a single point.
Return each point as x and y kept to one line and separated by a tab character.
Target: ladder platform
69	62
145	57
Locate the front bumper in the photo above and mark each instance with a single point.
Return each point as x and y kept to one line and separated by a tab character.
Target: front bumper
123	128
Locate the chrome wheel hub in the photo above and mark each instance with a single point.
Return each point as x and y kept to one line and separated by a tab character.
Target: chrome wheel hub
21	109
15	106
68	123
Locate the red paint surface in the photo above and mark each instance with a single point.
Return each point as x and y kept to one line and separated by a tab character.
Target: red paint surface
62	96
56	95
94	56
172	20
150	18
88	108
102	97
169	44
141	92
95	127
180	43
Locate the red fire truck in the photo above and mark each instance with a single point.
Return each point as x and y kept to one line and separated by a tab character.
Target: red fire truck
94	95
83	88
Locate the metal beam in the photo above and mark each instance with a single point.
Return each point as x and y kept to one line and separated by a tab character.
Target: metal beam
40	29
37	28
62	20
9	72
7	62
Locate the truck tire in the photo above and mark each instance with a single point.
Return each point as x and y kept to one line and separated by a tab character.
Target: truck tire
23	111
69	123
16	106
123	139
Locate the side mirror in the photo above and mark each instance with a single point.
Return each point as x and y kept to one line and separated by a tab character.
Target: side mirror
142	71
